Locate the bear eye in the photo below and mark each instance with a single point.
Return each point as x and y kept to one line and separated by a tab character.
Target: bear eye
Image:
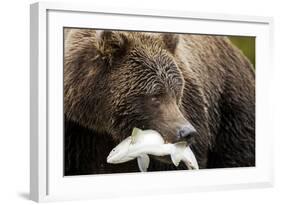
155	100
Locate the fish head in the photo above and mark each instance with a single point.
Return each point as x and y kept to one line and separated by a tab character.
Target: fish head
119	153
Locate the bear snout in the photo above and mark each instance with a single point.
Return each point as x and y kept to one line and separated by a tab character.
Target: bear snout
172	124
186	133
176	131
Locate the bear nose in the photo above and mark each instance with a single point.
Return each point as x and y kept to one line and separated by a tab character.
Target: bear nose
186	132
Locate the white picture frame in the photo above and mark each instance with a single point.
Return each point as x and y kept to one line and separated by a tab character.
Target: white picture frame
47	182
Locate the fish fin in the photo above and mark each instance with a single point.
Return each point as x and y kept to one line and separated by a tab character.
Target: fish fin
189	159
136	131
143	162
175	159
177	155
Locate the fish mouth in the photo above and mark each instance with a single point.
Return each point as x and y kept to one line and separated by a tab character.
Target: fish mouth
114	161
109	160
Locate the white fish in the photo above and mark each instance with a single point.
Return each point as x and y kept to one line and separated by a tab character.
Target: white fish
149	142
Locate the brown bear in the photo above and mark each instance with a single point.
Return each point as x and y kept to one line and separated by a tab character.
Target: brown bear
198	88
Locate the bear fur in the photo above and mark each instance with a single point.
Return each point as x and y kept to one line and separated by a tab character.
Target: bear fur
115	81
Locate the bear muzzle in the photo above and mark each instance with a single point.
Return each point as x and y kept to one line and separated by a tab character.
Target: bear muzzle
186	133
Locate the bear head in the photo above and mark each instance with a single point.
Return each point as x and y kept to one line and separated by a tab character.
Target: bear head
115	81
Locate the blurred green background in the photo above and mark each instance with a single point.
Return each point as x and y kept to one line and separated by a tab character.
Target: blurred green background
247	45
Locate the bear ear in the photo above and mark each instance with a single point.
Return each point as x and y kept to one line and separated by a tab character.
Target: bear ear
171	41
111	45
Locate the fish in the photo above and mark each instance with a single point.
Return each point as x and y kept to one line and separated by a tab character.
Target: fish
143	143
